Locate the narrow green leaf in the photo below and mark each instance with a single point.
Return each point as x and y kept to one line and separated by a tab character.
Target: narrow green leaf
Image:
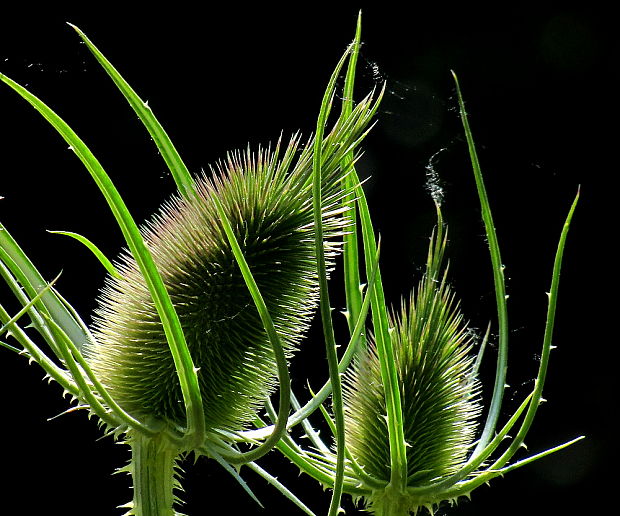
234	473
385	351
283	374
28	306
347	356
30	349
350	251
170	321
19	264
86	392
280	487
8	346
498	279
547	346
90	387
302	413
24	290
93	249
325	309
179	171
532	458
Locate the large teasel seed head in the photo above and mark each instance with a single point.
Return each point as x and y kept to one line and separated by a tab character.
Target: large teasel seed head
438	389
267	197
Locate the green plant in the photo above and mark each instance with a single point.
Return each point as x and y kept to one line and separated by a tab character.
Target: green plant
213	297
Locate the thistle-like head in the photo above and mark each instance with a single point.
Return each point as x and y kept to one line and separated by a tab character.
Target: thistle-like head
437	387
267	199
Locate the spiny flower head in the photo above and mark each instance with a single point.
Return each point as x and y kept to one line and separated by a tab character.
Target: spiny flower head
268	202
438	388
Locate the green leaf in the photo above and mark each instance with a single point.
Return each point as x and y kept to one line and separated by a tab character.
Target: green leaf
498	279
31	279
181	175
92	248
182	359
283	373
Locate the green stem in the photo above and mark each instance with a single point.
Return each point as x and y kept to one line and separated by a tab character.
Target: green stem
391	502
152	470
392	511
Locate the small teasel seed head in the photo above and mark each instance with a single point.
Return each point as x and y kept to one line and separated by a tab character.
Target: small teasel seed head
439	393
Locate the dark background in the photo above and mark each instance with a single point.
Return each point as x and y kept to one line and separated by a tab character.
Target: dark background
540	85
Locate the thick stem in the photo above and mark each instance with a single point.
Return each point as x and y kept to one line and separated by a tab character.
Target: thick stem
152	470
390	510
391	501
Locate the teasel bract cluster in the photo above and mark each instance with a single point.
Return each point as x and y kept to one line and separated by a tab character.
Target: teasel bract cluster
202	312
439	390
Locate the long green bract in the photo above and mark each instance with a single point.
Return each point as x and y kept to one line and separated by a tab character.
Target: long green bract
103	259
385	351
350	250
33	282
179	171
498	279
283	373
454	486
500	289
325	309
29	305
80	371
547	346
29	347
24	290
280	487
170	321
351	349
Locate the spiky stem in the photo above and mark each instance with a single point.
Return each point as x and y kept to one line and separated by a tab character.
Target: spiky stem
152	470
392	502
393	509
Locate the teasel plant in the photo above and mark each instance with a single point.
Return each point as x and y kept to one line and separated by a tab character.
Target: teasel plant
202	312
408	436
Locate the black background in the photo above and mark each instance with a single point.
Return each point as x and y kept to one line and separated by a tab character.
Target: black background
540	86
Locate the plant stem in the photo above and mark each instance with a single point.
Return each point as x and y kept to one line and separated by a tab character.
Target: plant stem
393	502
152	470
392	511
